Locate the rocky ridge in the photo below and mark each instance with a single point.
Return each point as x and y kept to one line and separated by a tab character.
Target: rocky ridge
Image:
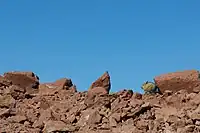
26	105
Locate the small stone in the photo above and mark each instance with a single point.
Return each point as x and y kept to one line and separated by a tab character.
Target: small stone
197	123
27	124
19	118
146	105
189	128
113	122
57	126
94	118
6	101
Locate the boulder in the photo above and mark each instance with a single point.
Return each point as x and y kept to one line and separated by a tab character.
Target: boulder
52	88
65	83
182	80
103	81
47	89
23	79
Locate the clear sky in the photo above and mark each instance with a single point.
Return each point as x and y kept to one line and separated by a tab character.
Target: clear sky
134	40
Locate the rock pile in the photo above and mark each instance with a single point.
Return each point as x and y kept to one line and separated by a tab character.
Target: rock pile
27	106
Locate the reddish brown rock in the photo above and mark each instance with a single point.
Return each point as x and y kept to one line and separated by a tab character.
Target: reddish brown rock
58	107
23	79
97	91
73	89
113	122
94	118
103	81
98	88
176	81
94	95
47	89
125	94
17	92
44	117
64	83
114	119
4	82
142	125
6	101
137	96
18	118
44	104
57	126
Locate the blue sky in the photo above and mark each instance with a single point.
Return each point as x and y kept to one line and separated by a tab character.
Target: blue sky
133	40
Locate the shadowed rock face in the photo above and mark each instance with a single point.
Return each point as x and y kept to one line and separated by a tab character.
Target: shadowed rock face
59	107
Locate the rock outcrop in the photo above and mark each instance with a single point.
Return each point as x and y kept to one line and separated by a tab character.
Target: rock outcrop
103	81
23	79
59	107
188	80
